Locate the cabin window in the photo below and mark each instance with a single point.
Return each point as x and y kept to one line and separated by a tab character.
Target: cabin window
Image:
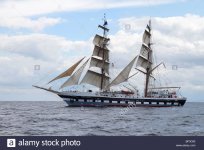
137	102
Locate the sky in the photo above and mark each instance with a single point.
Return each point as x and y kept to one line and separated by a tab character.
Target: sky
39	39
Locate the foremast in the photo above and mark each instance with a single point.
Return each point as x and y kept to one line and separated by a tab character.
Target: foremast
98	72
104	45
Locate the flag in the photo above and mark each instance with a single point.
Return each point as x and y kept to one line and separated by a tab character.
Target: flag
105	23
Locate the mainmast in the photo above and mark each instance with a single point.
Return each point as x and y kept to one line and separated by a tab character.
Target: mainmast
149	67
144	60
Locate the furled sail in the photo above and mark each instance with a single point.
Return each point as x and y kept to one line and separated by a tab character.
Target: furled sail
123	75
145	56
74	79
68	72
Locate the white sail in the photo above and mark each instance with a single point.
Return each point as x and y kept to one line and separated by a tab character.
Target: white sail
68	72
100	41
98	72
142	62
97	62
145	56
101	52
123	75
74	79
100	56
94	78
144	51
146	37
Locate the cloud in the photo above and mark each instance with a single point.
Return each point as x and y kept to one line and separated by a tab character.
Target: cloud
27	23
40	46
32	7
20	54
17	14
177	41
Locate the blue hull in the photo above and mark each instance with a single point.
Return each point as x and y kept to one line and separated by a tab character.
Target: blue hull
94	101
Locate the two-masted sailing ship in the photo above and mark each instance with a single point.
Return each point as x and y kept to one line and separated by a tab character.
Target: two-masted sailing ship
98	76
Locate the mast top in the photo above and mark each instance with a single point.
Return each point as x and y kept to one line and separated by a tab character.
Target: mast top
149	26
105	21
104	26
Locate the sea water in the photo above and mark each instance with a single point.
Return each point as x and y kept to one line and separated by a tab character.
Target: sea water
55	118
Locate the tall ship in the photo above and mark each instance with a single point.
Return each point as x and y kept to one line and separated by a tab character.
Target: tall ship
98	75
